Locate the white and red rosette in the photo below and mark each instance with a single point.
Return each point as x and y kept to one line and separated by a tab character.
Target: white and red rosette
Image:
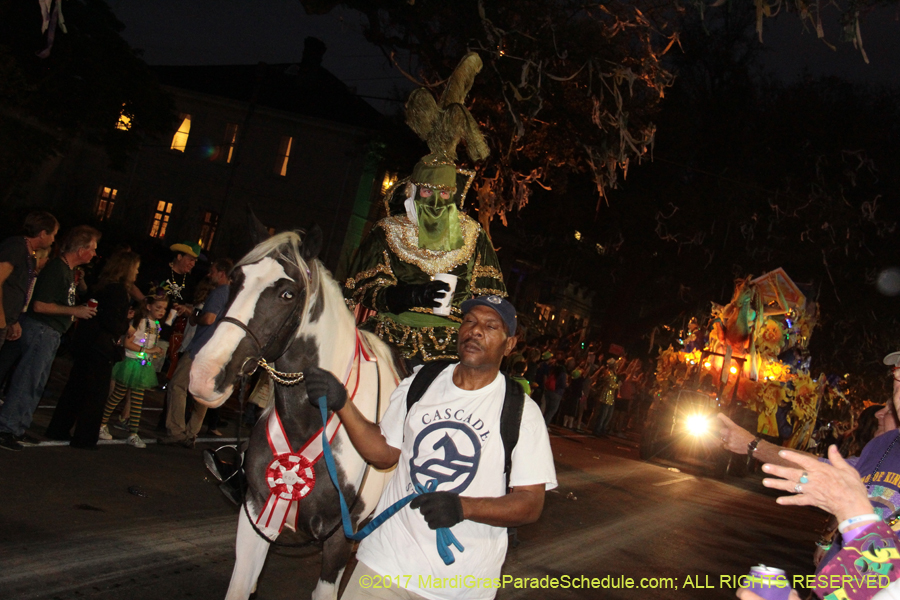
290	476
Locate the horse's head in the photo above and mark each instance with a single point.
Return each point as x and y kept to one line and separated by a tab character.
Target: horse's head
272	291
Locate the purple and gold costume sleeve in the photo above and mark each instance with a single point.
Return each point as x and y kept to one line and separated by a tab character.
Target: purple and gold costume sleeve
863	567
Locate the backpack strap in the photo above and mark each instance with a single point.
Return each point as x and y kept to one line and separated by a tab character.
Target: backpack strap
423	380
510	420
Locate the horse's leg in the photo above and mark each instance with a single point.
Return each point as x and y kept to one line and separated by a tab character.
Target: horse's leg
250	554
335	554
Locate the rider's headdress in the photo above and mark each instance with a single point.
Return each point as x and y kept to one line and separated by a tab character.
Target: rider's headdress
442	125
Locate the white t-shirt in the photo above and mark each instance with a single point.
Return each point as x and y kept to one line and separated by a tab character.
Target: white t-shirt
452	435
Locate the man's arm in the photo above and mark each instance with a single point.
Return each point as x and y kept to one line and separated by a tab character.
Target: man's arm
49	308
6	270
206	318
365	435
367	438
737	439
523	505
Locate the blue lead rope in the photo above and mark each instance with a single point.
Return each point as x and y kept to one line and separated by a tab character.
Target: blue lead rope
445	537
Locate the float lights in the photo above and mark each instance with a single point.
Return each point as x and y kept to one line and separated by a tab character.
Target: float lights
697	425
733	370
707	364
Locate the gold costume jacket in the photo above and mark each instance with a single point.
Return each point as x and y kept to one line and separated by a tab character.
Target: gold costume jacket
390	254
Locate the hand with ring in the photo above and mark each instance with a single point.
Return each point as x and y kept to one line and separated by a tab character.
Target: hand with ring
834	487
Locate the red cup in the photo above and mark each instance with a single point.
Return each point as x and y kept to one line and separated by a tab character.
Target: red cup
92	303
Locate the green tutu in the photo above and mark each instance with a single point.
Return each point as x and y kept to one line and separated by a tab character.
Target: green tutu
132	374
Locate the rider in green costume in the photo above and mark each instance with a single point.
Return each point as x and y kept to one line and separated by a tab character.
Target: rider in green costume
426	233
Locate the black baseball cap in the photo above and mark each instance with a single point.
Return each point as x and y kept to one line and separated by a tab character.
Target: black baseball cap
503	307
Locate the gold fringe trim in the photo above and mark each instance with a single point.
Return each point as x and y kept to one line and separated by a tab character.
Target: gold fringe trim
428	342
403	238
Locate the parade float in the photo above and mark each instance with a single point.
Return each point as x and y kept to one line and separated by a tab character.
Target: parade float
751	362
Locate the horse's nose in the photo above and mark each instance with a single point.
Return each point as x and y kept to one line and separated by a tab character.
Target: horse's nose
204	383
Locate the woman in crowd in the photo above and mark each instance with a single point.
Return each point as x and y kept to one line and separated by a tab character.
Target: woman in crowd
96	348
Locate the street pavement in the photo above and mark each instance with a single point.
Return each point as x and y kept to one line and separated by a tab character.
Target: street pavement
124	523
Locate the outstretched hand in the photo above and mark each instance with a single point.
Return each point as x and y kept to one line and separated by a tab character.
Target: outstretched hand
734	437
834	487
320	382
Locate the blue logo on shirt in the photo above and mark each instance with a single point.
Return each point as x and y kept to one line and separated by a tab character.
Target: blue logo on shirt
452	466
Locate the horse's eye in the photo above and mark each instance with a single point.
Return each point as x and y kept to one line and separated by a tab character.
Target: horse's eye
287	295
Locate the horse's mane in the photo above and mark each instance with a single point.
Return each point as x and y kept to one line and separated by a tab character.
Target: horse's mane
285	245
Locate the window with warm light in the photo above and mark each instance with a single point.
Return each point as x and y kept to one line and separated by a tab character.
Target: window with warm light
179	141
106	200
161	219
124	122
208	228
231	133
284	154
389	180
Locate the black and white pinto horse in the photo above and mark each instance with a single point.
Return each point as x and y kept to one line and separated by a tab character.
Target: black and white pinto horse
285	308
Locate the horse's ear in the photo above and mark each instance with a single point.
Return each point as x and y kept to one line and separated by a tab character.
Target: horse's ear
312	243
258	232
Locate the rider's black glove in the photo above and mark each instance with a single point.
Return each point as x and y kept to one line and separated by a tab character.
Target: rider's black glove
440	509
320	382
402	297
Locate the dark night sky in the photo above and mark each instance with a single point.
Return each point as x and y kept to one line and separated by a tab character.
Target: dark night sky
247	31
191	32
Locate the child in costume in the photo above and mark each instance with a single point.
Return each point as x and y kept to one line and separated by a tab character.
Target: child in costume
135	374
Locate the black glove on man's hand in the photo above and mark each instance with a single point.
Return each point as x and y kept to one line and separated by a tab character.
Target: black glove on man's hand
320	382
440	509
402	297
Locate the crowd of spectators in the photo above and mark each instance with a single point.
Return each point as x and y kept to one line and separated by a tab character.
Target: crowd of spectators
124	322
581	386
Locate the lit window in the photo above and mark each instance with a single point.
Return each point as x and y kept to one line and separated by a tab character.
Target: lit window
106	199
208	228
231	132
161	219
124	122
389	180
179	142
284	154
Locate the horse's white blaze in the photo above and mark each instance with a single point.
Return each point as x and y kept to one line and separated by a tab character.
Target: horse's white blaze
218	351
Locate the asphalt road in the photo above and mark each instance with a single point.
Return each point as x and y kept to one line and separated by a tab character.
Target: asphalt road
149	524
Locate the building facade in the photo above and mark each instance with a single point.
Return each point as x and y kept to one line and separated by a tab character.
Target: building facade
291	141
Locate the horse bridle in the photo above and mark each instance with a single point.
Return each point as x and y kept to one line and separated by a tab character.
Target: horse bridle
284	378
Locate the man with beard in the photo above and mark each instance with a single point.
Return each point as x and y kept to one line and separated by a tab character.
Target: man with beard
451	438
174	279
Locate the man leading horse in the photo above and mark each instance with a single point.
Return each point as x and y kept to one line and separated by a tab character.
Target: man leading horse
451	436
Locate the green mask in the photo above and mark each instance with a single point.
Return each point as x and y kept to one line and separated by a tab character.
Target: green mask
439	228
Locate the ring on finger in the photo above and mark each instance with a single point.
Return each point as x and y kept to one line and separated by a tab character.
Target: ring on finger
798	489
804	478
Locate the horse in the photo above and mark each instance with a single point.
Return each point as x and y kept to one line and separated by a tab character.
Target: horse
286	313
